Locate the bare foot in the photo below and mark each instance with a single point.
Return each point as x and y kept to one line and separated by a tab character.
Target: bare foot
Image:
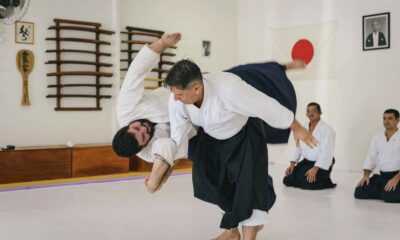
296	64
231	234
159	170
250	232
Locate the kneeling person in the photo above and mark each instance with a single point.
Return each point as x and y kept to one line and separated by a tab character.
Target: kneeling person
384	156
314	169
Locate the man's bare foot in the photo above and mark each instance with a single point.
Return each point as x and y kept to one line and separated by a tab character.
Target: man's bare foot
159	170
231	234
296	64
250	232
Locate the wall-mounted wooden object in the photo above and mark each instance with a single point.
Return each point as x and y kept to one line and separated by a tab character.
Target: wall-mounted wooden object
61	26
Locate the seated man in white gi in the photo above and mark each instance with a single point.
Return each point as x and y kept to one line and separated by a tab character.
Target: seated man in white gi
314	169
383	156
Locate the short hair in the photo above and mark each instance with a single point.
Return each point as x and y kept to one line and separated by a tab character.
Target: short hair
183	73
124	144
393	111
315	105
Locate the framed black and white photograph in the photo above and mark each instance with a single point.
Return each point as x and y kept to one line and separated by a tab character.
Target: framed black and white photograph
376	31
24	32
206	48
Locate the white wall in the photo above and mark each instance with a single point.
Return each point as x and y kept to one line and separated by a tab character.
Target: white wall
39	124
363	85
196	20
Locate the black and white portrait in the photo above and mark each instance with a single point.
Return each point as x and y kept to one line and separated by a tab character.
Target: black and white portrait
206	48
376	31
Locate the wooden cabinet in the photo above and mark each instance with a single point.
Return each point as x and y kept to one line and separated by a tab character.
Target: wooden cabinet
35	164
54	162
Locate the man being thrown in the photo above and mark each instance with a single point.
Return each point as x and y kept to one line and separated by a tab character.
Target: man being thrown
230	109
144	116
314	169
384	156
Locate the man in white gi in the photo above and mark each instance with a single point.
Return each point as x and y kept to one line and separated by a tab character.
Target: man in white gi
144	116
230	165
383	156
311	167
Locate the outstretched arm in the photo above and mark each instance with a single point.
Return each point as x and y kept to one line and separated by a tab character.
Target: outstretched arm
133	87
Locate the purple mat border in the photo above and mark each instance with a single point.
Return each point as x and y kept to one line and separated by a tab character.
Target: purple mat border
83	182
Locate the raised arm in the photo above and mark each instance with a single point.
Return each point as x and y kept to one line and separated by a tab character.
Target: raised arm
133	86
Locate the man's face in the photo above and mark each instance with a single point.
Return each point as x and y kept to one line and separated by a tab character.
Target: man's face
141	131
192	94
312	113
390	121
376	26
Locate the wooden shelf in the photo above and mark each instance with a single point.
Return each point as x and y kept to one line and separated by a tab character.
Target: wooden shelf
79	62
80	73
78	51
83	29
77	96
153	70
80	85
164	54
83	40
143	34
69	21
65	25
130	29
141	42
77	109
167	63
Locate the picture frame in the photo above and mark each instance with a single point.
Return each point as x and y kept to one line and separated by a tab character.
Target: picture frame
376	31
24	32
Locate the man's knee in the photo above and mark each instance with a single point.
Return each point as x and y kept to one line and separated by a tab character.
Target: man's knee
360	193
289	180
391	197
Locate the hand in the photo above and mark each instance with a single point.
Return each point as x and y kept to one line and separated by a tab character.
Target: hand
300	133
290	169
312	174
392	184
363	182
170	39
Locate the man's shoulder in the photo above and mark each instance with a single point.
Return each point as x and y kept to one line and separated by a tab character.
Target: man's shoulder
328	127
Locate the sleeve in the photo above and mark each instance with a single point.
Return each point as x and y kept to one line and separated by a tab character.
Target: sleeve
242	98
296	154
132	89
166	148
326	149
181	127
371	160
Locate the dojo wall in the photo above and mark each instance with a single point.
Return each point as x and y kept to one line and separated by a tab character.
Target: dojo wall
39	124
362	84
197	21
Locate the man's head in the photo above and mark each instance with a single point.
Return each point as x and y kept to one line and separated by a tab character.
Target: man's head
376	26
130	139
186	82
314	111
391	118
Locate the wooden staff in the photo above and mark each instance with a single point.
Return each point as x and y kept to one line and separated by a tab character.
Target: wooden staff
25	63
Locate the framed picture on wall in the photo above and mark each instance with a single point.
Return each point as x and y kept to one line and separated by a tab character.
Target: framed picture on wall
24	32
376	31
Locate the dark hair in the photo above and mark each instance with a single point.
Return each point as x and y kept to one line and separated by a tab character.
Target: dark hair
183	73
124	144
394	112
315	105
